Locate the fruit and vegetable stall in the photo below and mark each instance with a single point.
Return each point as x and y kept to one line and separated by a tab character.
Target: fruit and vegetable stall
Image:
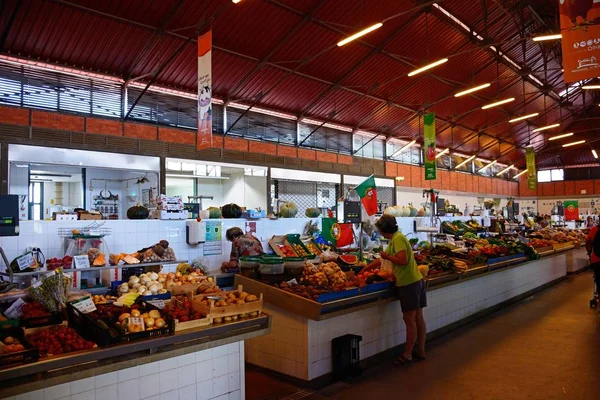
52	333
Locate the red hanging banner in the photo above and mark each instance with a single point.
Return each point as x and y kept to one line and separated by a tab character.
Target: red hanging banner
204	137
580	28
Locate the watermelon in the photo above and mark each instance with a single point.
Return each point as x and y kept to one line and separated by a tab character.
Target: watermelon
349	259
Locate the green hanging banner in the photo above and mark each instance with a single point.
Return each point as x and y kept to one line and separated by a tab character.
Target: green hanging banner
531	174
429	146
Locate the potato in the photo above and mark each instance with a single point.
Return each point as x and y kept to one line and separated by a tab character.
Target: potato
251	298
227	319
218	320
240	302
243	295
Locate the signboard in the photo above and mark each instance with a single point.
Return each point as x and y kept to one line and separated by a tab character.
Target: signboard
531	173
571	210
81	261
26	261
580	29
429	146
204	137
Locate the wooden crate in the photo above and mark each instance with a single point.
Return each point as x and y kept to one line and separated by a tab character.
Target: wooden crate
197	323
232	310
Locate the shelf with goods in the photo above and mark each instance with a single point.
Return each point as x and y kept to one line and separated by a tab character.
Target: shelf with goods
108	333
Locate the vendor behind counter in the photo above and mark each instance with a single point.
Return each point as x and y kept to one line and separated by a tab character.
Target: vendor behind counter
242	245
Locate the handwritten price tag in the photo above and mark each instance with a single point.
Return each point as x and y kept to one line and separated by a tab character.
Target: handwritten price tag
160	304
26	261
85	305
15	311
81	261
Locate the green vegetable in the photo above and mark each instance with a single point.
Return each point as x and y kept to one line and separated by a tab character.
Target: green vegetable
288	210
231	211
312	212
214	212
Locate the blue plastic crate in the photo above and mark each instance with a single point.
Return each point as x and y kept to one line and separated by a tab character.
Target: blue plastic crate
498	260
254	214
379	286
344	294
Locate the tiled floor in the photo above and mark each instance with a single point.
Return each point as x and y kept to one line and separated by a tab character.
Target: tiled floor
546	347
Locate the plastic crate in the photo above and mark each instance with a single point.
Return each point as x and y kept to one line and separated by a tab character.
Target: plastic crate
297	244
91	330
29	354
36	322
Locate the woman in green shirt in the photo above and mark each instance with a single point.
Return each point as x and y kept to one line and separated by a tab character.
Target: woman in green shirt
410	287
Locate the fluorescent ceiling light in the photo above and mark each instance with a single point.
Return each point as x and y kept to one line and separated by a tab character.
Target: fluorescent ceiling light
464	162
428	66
564	135
498	103
403	148
543	38
521	118
505	170
594	153
441	153
487	166
359	34
544	128
236	1
519	174
573	143
590	87
196	176
473	89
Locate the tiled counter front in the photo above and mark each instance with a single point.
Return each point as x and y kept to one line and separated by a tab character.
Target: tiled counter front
216	373
577	260
301	348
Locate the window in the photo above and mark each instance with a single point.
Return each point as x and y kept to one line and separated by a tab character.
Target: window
36	194
544	176
325	138
558	174
551	175
368	147
412	155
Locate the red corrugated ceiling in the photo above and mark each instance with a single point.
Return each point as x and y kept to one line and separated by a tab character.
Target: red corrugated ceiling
284	52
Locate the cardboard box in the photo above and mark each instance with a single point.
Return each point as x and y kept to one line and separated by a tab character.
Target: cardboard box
89	215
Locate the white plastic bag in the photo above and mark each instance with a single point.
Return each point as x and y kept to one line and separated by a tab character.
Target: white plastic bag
386	266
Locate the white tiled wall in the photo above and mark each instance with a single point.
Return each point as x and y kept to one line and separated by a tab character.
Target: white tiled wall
216	373
285	349
381	326
131	235
577	259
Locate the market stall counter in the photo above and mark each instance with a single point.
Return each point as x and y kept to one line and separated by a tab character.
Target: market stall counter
300	342
208	360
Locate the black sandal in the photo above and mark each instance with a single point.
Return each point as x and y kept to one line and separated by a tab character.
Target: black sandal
402	361
417	357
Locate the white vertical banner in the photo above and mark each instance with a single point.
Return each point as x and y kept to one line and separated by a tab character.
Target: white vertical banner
204	137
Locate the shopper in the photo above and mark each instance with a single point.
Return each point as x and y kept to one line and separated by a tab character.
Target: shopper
242	245
592	244
590	222
410	287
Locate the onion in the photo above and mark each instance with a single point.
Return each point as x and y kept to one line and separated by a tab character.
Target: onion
146	280
149	322
135	313
153	288
154	314
159	322
147	293
133	280
153	276
142	289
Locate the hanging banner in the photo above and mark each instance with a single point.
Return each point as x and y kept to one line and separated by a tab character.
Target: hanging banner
429	146
367	191
580	29
531	173
204	137
571	210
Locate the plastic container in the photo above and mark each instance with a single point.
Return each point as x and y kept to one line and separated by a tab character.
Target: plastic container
249	266
271	265
293	266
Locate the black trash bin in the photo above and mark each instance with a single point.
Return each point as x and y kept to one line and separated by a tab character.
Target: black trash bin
345	353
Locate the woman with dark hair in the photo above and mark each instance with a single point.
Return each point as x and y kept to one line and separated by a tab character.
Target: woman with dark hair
592	245
242	245
410	287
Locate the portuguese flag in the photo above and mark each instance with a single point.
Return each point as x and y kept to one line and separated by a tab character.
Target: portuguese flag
571	210
339	234
368	194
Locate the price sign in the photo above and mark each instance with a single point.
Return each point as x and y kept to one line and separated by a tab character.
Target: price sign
85	305
15	311
26	261
160	304
81	261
